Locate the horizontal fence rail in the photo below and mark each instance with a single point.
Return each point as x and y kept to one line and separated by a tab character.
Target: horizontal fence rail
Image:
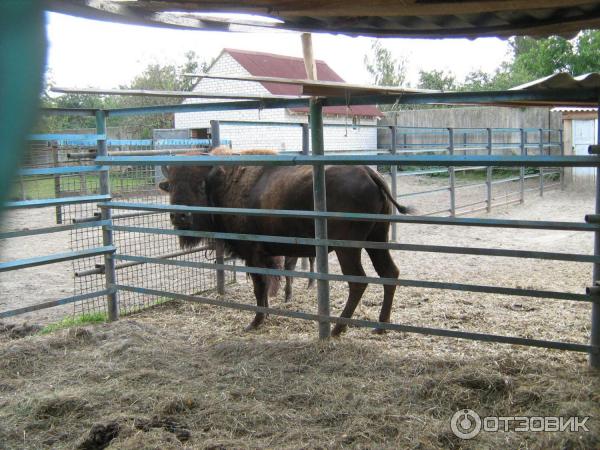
54	303
458	159
501	223
57	257
587	297
372	324
292	160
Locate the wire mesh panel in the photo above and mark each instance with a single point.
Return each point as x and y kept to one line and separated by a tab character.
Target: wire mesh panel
139	184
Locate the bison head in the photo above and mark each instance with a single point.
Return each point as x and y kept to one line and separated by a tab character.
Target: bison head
187	186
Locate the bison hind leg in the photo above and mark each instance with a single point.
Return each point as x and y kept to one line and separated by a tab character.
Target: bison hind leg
386	268
350	264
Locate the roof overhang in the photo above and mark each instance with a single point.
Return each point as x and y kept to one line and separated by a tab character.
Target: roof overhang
401	18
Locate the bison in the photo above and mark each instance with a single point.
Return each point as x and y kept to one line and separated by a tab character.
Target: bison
290	264
353	189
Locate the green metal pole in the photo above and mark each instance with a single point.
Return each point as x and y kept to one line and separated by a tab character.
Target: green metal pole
319	192
215	135
488	171
523	141
541	147
106	214
394	183
451	173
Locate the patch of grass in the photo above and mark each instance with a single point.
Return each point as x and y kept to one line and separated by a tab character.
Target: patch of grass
67	322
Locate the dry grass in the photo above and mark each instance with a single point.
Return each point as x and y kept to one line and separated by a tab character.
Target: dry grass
185	376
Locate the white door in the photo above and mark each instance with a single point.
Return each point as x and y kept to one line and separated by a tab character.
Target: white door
584	134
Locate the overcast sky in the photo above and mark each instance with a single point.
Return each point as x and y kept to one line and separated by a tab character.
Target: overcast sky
85	53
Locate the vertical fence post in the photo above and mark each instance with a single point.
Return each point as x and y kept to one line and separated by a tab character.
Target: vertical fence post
488	171
305	139
59	212
452	174
522	168
305	151
594	359
394	175
541	145
562	153
215	136
106	214
319	192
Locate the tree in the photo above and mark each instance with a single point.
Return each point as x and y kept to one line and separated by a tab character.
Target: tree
437	80
158	77
384	68
587	51
154	77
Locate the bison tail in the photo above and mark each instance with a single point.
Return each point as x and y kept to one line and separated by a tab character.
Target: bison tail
383	187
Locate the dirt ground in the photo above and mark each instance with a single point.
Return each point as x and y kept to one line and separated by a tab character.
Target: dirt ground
187	376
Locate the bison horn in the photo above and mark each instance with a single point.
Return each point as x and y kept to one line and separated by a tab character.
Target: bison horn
165	171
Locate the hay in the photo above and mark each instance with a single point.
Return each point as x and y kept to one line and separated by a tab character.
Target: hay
191	368
188	377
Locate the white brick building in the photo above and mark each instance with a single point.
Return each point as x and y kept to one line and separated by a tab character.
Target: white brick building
282	138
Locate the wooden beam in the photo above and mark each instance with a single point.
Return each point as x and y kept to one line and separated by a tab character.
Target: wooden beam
178	94
312	85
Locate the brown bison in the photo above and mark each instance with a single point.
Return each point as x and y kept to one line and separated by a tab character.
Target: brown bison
354	189
290	264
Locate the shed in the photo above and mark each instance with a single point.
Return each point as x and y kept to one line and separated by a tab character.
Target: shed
344	135
580	130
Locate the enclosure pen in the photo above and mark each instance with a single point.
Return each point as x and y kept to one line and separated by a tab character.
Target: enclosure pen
450	152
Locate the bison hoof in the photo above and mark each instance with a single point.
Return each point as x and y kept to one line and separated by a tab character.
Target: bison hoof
338	330
379	331
253	326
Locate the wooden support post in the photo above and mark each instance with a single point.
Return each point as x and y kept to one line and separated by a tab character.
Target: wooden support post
59	212
106	214
319	188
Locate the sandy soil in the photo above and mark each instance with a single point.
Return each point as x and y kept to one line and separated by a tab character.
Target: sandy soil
44	283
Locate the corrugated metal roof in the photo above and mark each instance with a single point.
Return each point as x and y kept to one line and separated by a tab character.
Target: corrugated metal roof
574	109
404	18
271	65
563	81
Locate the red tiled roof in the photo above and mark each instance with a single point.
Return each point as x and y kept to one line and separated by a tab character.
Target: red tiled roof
270	65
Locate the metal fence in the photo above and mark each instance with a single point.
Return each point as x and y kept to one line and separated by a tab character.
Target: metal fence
459	190
318	160
60	171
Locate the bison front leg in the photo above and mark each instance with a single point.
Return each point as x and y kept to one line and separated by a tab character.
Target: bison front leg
290	264
311	281
261	292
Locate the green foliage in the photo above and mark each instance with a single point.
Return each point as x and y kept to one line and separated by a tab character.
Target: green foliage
438	80
531	59
154	77
384	68
587	49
